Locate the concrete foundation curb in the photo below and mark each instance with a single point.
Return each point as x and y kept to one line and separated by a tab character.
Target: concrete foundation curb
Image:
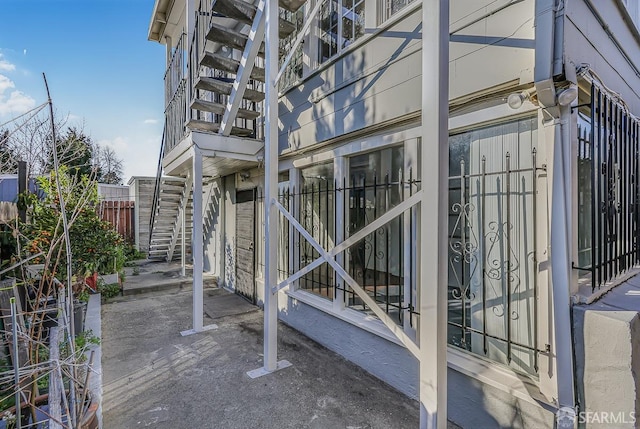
93	322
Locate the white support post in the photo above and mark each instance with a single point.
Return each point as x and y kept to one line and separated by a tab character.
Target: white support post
432	327
197	253
196	241
183	241
271	363
560	255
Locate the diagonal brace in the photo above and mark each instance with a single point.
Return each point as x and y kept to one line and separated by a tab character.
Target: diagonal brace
370	302
382	220
307	23
256	36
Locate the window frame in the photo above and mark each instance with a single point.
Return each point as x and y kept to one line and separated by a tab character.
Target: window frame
527	388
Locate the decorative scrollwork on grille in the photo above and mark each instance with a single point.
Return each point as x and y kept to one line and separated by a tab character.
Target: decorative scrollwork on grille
464	250
502	266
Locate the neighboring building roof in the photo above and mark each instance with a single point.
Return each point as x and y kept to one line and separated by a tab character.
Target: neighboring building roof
134	178
113	192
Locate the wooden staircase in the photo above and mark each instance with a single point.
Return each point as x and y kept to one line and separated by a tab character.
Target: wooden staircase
228	92
226	58
166	233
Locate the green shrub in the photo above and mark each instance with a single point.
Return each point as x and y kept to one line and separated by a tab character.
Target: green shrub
109	291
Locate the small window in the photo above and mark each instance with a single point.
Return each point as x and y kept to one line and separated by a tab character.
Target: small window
340	23
388	8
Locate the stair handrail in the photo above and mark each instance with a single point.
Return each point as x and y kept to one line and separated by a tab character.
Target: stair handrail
156	190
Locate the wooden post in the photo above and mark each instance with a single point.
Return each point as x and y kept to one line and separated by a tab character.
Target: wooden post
22	187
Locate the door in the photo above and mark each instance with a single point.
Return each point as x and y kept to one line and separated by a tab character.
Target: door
245	244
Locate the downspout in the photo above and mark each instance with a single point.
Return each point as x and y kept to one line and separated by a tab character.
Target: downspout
549	60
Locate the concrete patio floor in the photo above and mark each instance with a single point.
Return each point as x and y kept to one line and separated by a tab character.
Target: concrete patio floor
154	377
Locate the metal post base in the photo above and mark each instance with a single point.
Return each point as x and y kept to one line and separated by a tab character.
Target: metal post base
255	373
204	328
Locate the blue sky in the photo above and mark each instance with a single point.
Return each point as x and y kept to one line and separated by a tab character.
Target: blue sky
102	70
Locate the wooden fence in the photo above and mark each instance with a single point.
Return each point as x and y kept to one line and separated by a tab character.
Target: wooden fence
120	214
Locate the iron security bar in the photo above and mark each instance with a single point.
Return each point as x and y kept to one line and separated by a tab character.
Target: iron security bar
608	150
493	283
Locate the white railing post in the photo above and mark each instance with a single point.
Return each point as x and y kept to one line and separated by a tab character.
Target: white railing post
432	328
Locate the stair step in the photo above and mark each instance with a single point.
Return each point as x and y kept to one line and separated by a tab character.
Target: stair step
164	187
230	37
217	108
291	5
171	181
224	86
229	65
195	124
244	12
237	9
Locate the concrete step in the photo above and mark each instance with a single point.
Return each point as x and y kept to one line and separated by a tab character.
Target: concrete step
217	108
229	65
214	127
224	86
155	252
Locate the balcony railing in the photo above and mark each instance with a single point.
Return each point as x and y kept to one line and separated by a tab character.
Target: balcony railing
176	70
176	117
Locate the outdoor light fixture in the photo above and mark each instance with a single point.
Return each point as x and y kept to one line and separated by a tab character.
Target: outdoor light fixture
567	95
517	99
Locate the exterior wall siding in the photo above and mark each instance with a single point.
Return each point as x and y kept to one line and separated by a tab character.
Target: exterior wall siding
380	81
587	42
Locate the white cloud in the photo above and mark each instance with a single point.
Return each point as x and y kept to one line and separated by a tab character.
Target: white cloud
15	102
118	144
150	121
5	83
5	65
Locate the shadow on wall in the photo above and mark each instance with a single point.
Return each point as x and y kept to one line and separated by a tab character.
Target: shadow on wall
212	226
338	101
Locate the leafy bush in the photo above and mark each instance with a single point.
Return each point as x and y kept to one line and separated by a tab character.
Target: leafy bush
109	291
95	245
133	254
